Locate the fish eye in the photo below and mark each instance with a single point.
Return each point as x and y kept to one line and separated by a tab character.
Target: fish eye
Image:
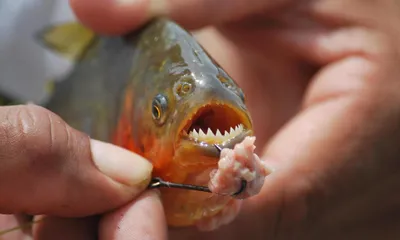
185	88
159	108
156	112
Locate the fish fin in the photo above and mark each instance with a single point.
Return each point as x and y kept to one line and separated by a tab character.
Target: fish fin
70	39
50	86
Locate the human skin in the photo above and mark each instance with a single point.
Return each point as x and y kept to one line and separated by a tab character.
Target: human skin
326	117
49	169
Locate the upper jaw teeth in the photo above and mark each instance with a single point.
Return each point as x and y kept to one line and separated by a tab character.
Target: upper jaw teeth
209	136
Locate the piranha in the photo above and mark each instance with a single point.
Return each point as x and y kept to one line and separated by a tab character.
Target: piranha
158	93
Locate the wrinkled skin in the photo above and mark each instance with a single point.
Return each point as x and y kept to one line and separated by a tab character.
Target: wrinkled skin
337	156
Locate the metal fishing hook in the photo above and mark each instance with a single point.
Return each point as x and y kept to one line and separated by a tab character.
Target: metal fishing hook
158	182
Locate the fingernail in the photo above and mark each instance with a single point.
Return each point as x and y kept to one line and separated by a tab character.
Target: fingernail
156	192
271	165
126	2
120	164
158	8
154	7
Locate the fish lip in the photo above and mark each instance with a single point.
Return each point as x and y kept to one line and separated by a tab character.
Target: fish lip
208	148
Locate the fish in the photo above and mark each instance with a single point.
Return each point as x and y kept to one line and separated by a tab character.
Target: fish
158	93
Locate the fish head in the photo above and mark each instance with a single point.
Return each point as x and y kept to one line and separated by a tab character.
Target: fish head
190	102
193	111
195	106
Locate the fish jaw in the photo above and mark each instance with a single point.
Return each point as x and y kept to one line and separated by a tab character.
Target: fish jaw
196	157
214	123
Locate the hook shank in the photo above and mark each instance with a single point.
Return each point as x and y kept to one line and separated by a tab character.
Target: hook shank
158	182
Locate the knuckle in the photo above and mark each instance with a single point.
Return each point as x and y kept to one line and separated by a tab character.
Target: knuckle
25	124
17	123
33	132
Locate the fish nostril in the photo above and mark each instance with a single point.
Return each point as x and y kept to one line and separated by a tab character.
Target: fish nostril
184	87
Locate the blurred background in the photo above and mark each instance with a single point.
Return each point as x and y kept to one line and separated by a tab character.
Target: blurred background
27	68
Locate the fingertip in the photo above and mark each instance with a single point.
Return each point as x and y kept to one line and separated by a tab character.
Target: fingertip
115	17
112	17
140	219
121	165
65	228
13	227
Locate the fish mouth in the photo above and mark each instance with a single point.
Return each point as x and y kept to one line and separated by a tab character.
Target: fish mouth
216	123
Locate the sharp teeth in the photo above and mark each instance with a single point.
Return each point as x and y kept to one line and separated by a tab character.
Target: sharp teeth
210	133
194	134
201	134
218	136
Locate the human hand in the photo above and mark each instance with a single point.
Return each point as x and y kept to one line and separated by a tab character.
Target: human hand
84	187
329	100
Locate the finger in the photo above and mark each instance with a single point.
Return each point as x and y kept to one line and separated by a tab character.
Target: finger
65	228
363	53
112	16
121	16
46	167
9	229
339	145
141	219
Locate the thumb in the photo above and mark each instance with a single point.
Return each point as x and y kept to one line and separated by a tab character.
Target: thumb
343	145
47	167
121	16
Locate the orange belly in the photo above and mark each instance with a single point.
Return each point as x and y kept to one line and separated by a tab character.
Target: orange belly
185	207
